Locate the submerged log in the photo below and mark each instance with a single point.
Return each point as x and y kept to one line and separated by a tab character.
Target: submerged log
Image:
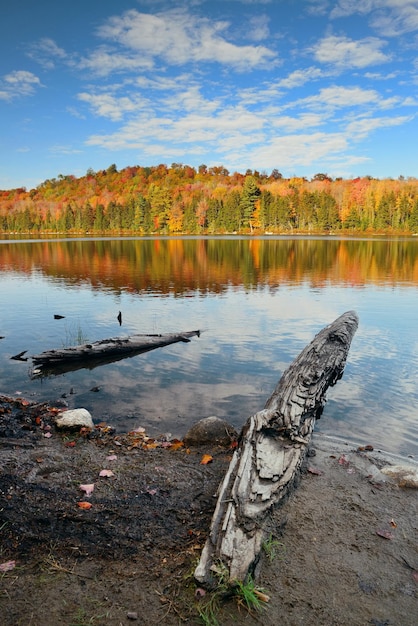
103	351
271	449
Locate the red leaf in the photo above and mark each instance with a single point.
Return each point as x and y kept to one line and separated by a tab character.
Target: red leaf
84	505
316	472
386	534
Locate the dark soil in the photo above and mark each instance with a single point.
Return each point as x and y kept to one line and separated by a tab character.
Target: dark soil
131	556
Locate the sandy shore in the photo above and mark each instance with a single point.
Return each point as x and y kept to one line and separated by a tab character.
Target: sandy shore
346	550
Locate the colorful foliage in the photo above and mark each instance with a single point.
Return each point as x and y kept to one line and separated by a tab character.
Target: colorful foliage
180	199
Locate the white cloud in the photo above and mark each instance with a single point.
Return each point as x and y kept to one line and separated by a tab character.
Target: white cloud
104	61
298	150
258	28
344	8
389	17
63	150
379	76
17	84
106	105
305	120
191	100
338	96
300	77
178	38
46	52
349	53
362	127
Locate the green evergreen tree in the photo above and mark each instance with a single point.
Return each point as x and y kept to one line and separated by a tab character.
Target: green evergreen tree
250	193
231	220
327	217
413	218
99	219
266	201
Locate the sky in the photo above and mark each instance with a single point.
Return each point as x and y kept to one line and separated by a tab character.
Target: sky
301	86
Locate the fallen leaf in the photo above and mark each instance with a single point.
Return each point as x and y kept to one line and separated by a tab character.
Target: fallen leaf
176	444
111	457
415	576
70	444
151	492
88	489
393	523
151	446
47	435
7	566
106	473
316	472
138	430
84	505
386	534
206	458
343	460
199	593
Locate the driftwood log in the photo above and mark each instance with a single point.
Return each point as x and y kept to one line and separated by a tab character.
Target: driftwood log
103	351
270	452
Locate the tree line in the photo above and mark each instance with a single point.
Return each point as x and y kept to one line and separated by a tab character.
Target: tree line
183	200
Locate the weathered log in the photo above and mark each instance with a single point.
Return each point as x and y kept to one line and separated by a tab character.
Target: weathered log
271	450
103	351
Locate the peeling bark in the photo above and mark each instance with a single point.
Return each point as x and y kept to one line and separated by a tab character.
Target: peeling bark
272	447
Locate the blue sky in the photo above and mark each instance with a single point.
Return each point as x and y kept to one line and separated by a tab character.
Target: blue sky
303	86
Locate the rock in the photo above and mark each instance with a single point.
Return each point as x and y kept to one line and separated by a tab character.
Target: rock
75	418
210	430
404	476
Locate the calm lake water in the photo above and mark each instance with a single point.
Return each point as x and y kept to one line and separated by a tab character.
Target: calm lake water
258	301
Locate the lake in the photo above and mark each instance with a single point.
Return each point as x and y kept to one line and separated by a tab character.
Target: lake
258	301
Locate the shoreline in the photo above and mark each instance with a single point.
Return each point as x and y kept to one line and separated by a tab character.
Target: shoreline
345	538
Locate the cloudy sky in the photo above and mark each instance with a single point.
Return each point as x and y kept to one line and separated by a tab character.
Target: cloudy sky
304	86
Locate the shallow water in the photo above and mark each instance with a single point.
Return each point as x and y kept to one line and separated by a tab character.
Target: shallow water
258	301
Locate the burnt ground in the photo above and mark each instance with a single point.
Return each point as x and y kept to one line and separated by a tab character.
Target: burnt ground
345	546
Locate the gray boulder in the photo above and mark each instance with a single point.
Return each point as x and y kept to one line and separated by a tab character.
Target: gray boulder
210	430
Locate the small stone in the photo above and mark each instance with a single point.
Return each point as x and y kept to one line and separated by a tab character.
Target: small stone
210	430
132	615
75	418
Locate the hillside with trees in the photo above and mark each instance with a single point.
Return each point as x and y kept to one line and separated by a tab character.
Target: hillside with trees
180	199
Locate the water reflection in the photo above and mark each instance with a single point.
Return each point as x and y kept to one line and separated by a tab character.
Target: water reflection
259	301
178	266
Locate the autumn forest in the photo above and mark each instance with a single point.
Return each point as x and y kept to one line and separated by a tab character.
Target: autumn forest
179	199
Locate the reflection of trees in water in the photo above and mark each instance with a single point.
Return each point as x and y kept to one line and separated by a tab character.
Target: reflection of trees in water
181	265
